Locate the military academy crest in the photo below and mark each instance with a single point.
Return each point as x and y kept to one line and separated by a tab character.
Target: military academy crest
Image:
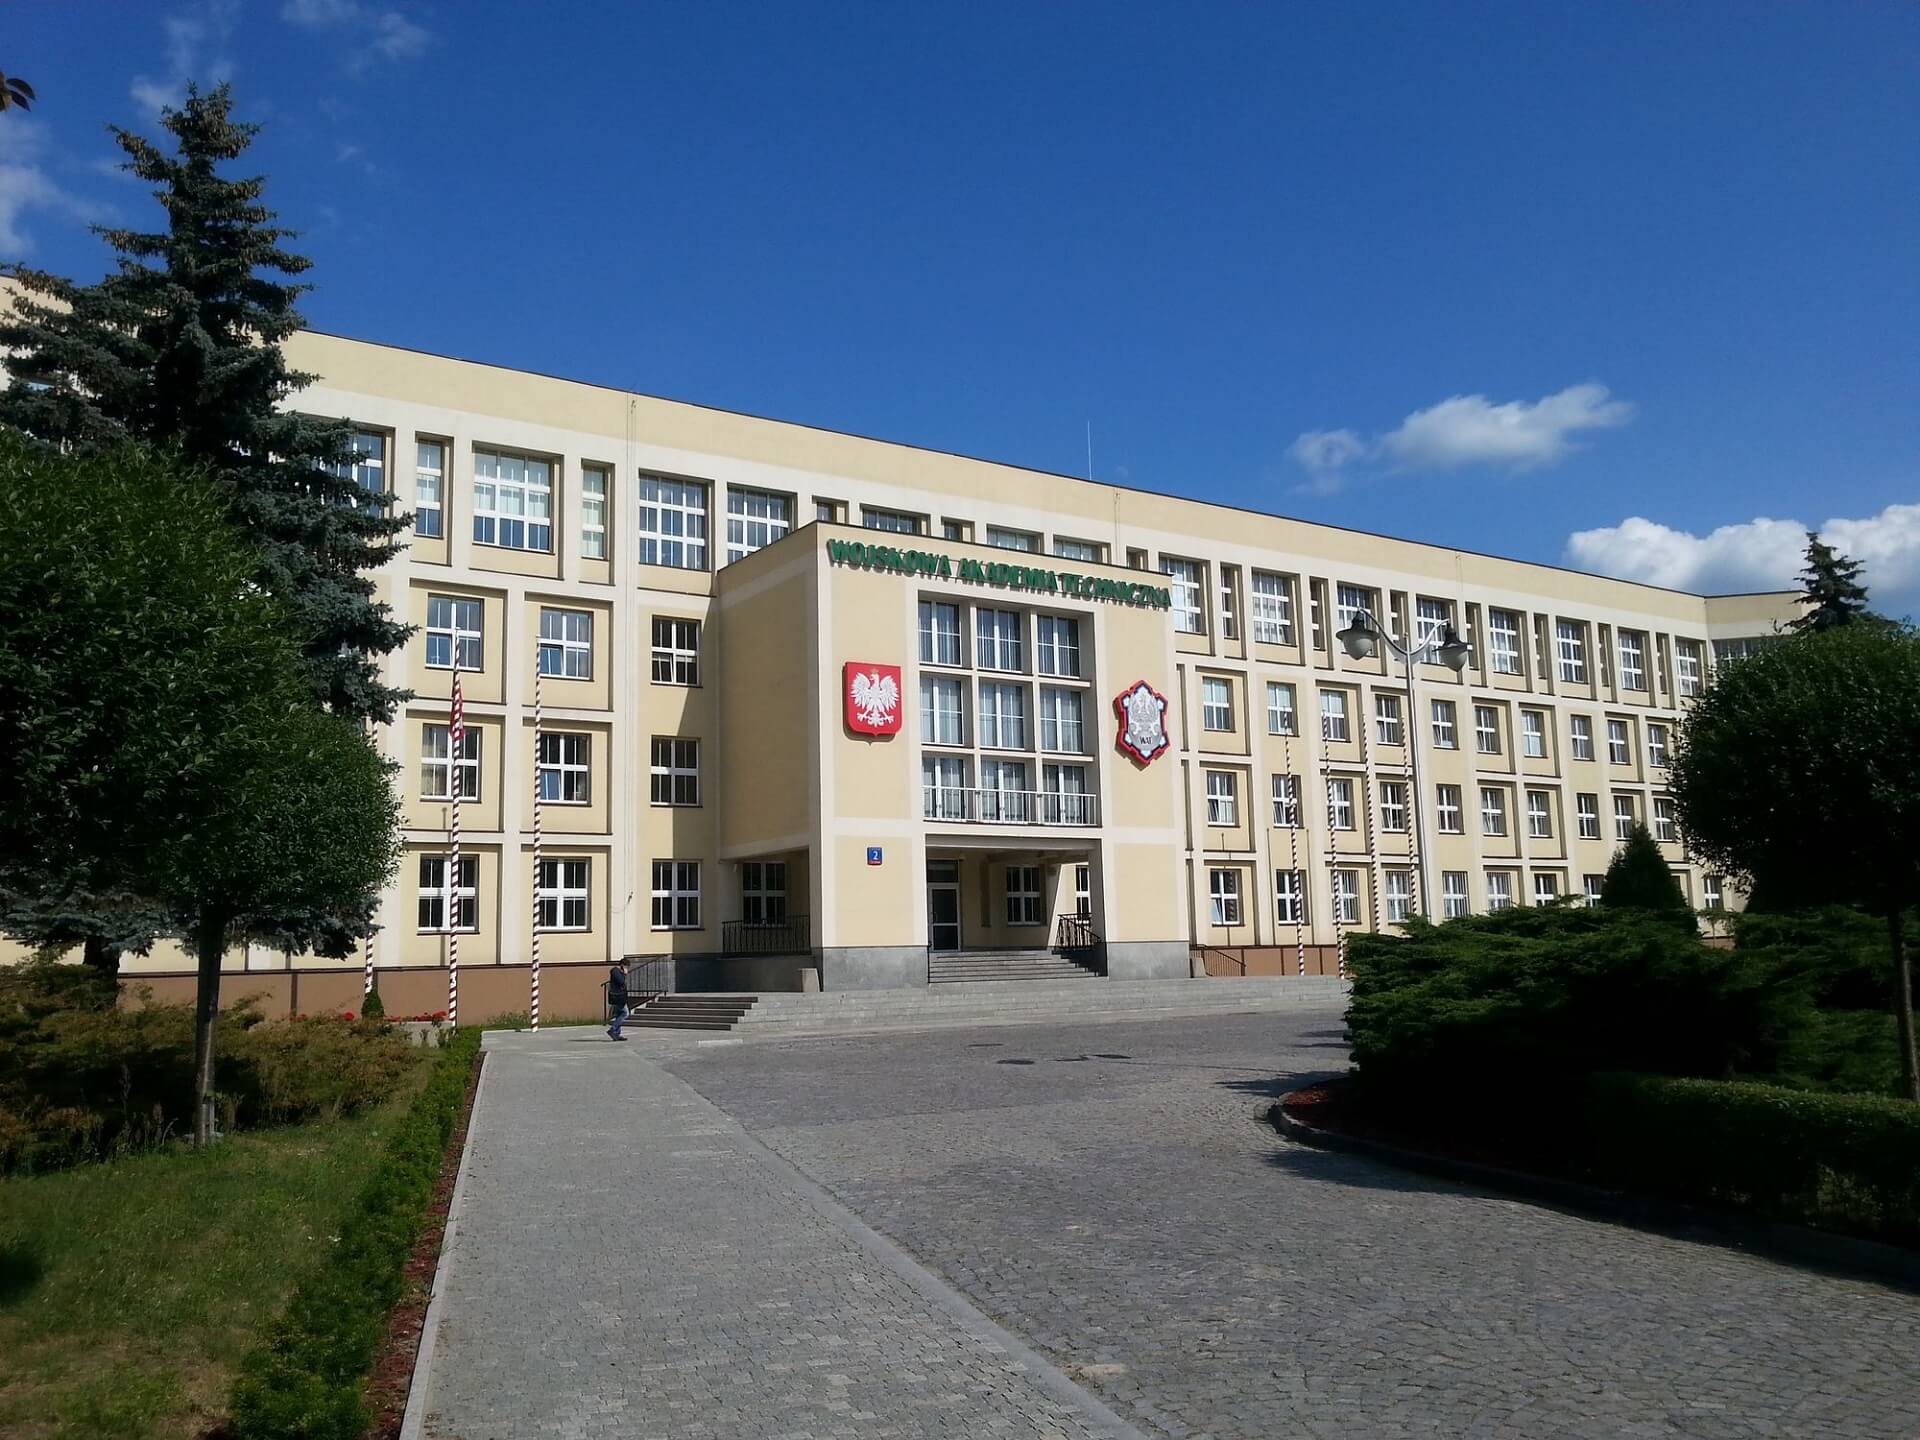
1143	721
873	698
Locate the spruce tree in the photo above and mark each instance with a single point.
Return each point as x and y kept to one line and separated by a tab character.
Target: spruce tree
1830	589
1638	877
180	347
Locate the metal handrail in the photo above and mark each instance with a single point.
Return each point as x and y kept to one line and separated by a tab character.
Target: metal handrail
989	805
789	936
1077	940
1206	950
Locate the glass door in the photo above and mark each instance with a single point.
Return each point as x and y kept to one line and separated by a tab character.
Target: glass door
943	905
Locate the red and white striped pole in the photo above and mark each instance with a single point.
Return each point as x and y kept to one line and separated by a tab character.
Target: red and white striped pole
1299	878
533	979
1333	855
456	745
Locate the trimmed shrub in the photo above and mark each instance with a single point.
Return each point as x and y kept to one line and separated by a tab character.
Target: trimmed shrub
307	1380
1637	877
1841	1162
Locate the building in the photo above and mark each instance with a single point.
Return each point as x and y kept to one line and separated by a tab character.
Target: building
810	700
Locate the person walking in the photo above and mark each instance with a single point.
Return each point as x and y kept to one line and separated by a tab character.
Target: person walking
617	998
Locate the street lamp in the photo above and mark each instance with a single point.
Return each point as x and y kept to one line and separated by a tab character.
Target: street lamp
1362	638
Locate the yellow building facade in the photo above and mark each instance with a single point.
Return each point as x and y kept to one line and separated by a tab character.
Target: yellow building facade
694	594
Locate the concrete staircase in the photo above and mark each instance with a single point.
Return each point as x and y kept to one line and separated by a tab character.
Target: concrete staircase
690	1012
960	967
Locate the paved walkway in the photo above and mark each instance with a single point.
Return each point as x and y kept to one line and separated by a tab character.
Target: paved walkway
1108	1194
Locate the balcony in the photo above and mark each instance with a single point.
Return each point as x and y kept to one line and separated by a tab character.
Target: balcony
991	806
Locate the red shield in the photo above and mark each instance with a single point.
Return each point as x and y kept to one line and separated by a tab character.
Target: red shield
872	694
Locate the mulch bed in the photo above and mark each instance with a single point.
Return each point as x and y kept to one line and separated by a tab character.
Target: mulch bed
392	1378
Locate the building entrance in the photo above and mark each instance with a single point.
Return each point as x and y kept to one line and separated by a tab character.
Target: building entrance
943	905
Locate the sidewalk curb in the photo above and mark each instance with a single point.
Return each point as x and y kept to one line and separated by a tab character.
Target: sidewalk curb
413	1422
1870	1258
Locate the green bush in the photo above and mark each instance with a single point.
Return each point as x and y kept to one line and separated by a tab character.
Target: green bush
1637	877
1841	1162
307	1380
1837	960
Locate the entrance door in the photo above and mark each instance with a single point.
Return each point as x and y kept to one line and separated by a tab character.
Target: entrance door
943	905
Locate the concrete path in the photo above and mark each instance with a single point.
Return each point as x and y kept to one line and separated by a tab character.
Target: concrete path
1109	1194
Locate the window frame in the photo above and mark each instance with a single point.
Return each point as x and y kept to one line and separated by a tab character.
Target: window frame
1445	718
1503	642
436	508
458	636
1493	812
596	500
556	894
1389	725
1223	799
661	496
1448	800
682	901
1282	720
533	498
674	655
571	767
672	782
570	650
465	892
1187	585
1272	608
1334	707
769	527
1223	896
467	765
1024	891
1216	704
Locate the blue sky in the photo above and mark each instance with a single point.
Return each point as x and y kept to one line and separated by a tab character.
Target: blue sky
1605	284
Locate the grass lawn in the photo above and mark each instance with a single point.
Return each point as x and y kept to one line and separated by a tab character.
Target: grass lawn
129	1291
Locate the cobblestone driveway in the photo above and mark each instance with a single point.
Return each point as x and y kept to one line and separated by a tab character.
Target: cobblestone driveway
1108	1193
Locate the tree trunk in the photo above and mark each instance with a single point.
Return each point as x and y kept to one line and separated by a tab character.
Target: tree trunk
102	957
210	943
1903	1005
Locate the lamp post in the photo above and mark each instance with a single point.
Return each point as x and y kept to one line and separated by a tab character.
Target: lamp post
1361	639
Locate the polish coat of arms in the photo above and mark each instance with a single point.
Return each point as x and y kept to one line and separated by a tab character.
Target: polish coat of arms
873	698
1143	721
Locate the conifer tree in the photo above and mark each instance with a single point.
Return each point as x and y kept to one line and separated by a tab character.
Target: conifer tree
180	347
1638	876
1830	589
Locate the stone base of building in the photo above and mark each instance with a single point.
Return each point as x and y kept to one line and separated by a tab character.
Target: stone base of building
569	991
1234	960
1148	960
872	967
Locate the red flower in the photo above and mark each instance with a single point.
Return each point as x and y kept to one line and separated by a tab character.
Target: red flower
346	1015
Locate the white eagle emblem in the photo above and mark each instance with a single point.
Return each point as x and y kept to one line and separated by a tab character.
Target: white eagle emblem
875	698
1143	712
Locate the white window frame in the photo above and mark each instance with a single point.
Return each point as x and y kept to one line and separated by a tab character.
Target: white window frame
1393	807
1000	716
946	783
565	757
1189	614
1499	891
1486	730
512	511
1388	725
1346	896
1350	600
1084	551
673	523
367	465
1590	886
1656	745
1339	802
1023	892
1619	743
1624	816
1571	644
1396	895
1712	897
1539	815
941	643
1056	645
676	651
1229	618
675	895
1687	667
1445	725
436	759
1546	888
458	623
1587	815
431	910
755	520
1272	608
1286	802
1333	716
763	892
1003	537
1000	640
1223	798
1454	900
429	488
562	893
943	710
1223	894
1633	659
596	493
1282	718
1062	720
1580	736
1503	642
1062	803
1493	811
1216	704
566	643
674	771
891	522
1666	825
1446	808
1289	897
1533	734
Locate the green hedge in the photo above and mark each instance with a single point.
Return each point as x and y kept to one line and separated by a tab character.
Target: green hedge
1849	1163
307	1380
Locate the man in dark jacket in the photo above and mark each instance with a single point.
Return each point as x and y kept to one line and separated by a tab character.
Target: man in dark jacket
617	998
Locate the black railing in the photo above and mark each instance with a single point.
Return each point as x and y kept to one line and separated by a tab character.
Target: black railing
1074	937
765	937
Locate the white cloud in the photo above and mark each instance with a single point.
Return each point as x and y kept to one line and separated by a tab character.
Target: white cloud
1759	554
371	31
196	40
1466	430
25	184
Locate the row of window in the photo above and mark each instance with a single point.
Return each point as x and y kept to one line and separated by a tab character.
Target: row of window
1223	808
561	893
456	640
563	767
1396	894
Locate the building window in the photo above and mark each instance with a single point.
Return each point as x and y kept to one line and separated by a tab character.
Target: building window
944	786
1280	717
1316	592
566	644
1333	715
1587	812
1386	719
429	489
1446	809
1533	734
433	895
595	485
1272	609
1216	703
999	642
512	501
367	465
1443	729
1229	622
1725	652
956	530
763	892
1398	894
673	523
1581	730
1003	716
1618	751
1005	539
1623	816
676	894
828	512
1539	815
1056	645
1223	886
439	773
1286	801
1004	794
1339	803
1060	721
1499	890
1486	730
1289	898
1590	889
943	719
1453	894
1023	894
1063	795
676	771
1493	810
1393	806
1083	891
563	763
1082	550
1656	745
1503	642
1188	618
1633	660
676	651
1346	896
1573	651
1710	895
560	894
755	519
1546	887
1223	798
454	639
896	522
1432	618
1686	665
1350	600
939	633
1663	822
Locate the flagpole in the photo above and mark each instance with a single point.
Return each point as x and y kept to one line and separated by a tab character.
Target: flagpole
533	980
456	745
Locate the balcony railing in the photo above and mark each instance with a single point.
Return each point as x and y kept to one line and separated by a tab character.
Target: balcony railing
765	937
1007	807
